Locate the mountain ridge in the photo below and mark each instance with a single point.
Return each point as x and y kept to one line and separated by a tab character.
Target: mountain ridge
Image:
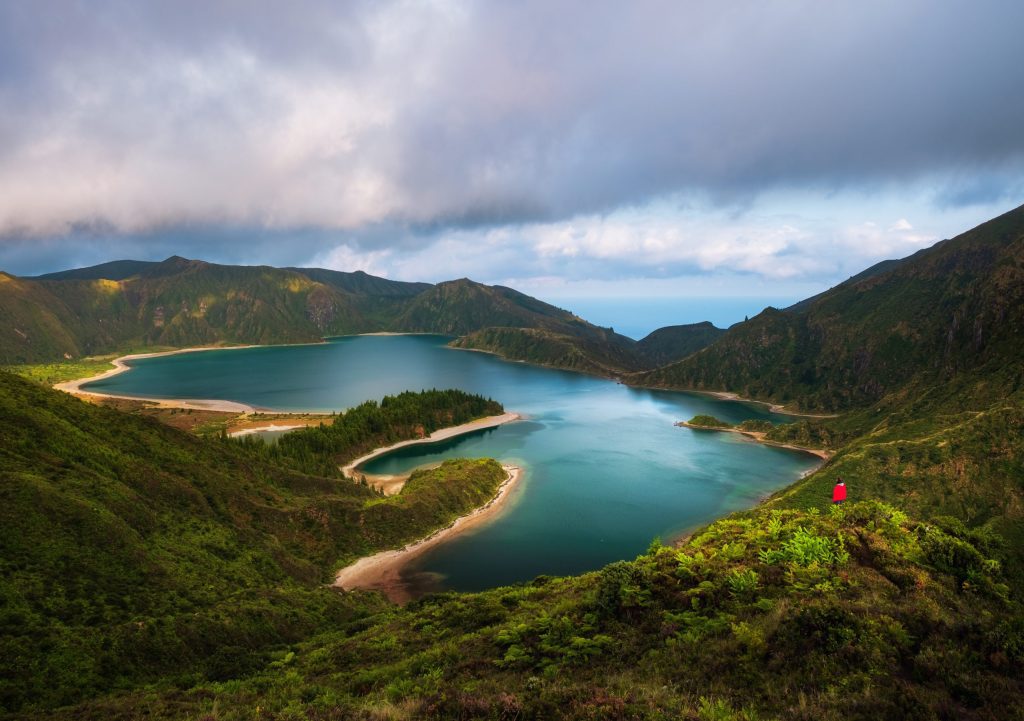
904	602
939	312
181	302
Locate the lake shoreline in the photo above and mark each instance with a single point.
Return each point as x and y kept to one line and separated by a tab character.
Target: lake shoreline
382	571
759	437
442	434
74	387
623	378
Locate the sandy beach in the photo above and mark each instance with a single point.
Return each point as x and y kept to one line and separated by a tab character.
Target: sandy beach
759	436
382	571
773	407
74	387
264	429
394	483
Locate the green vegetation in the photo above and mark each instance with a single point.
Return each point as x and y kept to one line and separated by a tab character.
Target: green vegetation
605	354
757	426
944	312
183	303
148	573
589	349
706	421
321	449
675	342
860	612
50	373
133	554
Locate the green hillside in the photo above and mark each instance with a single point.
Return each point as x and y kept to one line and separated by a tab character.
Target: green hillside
134	554
942	313
675	342
599	353
114	270
861	612
182	303
591	349
462	306
34	325
149	574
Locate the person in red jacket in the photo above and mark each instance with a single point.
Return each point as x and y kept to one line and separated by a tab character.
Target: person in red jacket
839	492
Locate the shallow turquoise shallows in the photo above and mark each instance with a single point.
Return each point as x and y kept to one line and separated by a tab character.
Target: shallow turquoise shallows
606	470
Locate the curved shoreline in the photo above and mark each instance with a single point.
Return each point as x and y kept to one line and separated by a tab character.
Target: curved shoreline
382	570
772	407
74	387
442	434
759	437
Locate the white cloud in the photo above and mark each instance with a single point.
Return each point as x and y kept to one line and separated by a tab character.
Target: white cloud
658	241
345	115
346	258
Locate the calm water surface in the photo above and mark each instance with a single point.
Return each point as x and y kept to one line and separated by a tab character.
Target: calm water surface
606	470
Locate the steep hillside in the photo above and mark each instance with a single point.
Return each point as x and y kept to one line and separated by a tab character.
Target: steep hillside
943	312
675	342
177	302
181	302
133	554
34	324
591	349
860	613
600	354
462	306
114	270
360	283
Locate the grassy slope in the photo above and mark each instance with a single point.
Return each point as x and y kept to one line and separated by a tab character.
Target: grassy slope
675	342
598	356
463	306
591	349
132	553
181	303
33	323
946	311
858	613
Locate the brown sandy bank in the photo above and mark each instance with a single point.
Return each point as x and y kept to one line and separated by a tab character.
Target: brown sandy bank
74	387
773	407
382	571
393	485
759	436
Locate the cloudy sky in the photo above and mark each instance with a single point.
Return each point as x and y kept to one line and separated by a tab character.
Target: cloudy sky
587	148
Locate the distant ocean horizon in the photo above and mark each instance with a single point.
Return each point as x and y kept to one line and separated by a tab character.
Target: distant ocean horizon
637	317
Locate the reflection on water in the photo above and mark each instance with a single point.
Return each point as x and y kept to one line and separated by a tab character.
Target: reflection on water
606	470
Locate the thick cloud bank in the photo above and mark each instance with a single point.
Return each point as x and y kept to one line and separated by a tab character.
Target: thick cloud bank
132	118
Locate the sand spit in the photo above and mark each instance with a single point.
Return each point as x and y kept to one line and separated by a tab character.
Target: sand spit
74	387
382	571
350	470
759	436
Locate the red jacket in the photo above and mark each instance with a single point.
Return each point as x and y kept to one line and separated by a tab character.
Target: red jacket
839	493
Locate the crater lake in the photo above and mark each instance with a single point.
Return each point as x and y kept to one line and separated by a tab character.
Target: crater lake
606	471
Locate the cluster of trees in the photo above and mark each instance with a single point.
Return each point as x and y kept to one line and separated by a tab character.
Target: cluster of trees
321	449
135	555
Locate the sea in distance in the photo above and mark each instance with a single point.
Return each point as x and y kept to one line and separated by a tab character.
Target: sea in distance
606	469
636	317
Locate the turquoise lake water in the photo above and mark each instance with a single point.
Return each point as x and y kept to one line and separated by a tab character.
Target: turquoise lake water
606	469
